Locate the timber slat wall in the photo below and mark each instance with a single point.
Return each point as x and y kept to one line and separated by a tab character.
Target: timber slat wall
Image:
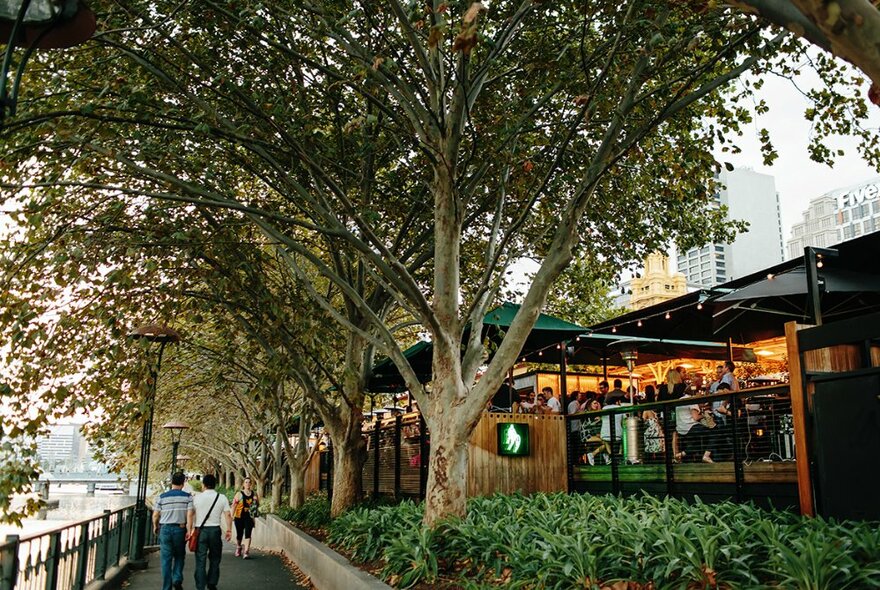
542	471
313	474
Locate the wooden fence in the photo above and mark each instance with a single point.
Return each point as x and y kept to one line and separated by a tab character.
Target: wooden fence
543	470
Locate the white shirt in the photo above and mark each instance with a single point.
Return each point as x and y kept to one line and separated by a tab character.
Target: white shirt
203	503
554	405
574	407
605	433
684	418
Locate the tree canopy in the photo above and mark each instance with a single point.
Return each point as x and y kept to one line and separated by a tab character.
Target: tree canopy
395	156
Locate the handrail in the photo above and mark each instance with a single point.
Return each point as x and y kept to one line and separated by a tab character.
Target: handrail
69	557
687	401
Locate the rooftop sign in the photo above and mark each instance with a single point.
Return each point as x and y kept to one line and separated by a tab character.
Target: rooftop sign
857	196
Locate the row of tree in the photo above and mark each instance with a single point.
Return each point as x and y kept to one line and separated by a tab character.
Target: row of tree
299	186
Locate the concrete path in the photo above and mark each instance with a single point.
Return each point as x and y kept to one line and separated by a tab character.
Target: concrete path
260	571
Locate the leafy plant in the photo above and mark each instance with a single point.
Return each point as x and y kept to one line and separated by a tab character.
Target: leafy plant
595	542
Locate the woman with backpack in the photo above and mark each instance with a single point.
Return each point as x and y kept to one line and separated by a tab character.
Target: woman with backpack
244	510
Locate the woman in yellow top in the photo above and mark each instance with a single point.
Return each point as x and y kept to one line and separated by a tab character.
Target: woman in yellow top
244	506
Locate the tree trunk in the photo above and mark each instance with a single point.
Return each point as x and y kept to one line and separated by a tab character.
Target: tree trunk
349	454
297	486
451	423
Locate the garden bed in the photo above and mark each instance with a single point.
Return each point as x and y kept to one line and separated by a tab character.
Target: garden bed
582	541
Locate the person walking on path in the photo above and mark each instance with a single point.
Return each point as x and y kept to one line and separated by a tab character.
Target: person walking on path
173	522
244	507
210	507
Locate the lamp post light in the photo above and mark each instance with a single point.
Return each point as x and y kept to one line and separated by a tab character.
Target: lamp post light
163	335
37	24
176	427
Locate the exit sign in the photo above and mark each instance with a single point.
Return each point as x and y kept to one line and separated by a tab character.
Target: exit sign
513	439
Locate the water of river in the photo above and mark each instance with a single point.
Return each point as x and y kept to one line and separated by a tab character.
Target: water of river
73	506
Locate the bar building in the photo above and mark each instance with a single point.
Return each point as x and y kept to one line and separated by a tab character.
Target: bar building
836	216
752	197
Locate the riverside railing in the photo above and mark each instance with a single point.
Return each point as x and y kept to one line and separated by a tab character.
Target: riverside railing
67	558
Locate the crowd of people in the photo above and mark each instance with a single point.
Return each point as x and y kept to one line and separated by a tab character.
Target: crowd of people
699	433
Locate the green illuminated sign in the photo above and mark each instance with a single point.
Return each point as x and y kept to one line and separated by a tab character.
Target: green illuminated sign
513	439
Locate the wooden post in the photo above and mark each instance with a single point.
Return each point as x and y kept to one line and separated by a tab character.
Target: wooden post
799	420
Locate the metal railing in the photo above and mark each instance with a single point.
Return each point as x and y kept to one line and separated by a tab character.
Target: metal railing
67	558
733	445
397	451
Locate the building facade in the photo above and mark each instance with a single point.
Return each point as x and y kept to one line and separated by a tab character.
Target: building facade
837	216
749	196
656	283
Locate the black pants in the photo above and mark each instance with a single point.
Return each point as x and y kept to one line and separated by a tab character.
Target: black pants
243	527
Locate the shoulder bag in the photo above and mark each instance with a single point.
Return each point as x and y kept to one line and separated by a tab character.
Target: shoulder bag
194	536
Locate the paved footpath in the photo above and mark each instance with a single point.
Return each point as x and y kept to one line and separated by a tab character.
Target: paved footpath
260	571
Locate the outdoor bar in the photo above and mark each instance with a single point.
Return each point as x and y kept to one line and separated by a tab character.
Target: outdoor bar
755	443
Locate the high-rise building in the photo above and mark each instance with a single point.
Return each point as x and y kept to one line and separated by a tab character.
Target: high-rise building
63	448
751	197
656	283
837	216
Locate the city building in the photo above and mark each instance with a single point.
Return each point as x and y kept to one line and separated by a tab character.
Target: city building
837	216
749	196
64	449
656	283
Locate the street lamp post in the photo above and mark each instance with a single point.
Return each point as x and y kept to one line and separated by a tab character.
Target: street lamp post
37	24
163	335
176	427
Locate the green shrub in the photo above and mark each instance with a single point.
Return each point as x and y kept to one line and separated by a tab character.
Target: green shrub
314	513
580	541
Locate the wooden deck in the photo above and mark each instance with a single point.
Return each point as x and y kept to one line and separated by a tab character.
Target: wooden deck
721	472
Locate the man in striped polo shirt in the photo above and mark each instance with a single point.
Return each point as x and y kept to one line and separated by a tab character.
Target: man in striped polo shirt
173	521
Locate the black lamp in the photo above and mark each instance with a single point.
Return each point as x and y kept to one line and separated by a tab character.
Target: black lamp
38	24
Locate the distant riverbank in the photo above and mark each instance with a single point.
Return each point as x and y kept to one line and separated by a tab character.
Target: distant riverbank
73	506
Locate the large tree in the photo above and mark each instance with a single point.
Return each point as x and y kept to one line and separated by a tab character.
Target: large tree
397	133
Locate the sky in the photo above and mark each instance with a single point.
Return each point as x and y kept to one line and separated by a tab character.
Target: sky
798	179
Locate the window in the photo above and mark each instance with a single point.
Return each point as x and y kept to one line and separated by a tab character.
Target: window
704	250
847	232
846	217
820	241
870	225
719	248
875	206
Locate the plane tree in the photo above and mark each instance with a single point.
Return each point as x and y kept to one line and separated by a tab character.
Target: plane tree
398	134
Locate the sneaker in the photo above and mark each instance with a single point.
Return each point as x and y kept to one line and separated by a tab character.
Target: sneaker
607	460
238	551
591	459
246	555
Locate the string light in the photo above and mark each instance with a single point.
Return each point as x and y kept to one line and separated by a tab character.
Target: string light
639	324
770	276
668	315
614	328
700	305
540	353
819	263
